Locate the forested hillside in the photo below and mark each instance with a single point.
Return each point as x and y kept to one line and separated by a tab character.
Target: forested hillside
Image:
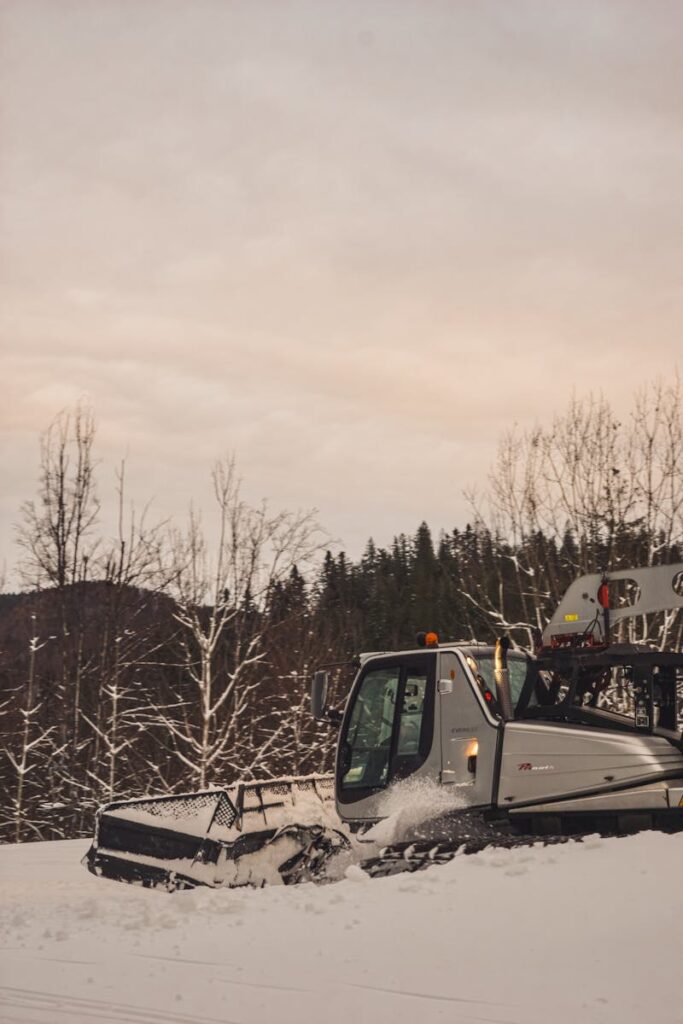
162	660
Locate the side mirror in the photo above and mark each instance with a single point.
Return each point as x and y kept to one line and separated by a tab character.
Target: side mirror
319	687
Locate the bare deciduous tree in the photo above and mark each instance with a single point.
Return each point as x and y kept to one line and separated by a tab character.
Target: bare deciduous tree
604	494
221	609
55	531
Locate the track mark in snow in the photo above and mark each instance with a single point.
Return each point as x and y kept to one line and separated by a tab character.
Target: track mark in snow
23	1020
218	963
24	954
441	999
55	1007
182	960
65	960
263	984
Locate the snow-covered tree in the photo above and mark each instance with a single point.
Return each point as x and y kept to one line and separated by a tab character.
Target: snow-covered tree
221	599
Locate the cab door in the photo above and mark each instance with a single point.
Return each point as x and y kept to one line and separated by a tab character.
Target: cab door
469	735
390	731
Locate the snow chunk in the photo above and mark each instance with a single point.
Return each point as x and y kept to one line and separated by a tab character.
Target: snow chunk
355	873
410	803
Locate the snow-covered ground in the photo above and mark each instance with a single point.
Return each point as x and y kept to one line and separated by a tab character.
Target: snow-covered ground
588	931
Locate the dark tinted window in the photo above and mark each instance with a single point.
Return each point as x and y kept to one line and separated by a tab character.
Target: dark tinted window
370	729
390	725
412	711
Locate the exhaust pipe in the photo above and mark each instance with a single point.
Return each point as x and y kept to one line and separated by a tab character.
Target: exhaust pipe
501	674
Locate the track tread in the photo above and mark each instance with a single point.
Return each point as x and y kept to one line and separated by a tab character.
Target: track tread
417	856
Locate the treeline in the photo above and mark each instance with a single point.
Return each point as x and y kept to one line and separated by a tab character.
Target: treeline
159	660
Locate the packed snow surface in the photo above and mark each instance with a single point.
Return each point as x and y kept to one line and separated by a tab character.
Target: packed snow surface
581	932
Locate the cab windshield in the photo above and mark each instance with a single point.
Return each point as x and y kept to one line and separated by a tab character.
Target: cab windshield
388	731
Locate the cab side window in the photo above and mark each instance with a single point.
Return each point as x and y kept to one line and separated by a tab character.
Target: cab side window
412	711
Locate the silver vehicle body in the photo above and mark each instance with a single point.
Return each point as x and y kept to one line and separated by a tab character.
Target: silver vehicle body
522	765
647	589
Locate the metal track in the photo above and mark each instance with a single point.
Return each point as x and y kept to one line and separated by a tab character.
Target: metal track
442	838
417	856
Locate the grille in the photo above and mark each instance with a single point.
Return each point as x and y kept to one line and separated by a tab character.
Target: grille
186	807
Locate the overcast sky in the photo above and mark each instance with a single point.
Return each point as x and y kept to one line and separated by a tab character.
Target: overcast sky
351	241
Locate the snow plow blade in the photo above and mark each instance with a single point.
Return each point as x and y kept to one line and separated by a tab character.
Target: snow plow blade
276	831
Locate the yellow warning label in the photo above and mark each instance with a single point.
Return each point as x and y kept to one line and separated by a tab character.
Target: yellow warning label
571	618
680	802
